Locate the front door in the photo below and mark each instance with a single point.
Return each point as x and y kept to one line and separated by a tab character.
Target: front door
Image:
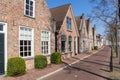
2	53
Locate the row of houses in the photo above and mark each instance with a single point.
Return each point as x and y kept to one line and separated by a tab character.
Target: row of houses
29	28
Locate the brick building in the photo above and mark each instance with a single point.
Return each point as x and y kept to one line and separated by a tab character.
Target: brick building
87	34
66	30
82	29
90	34
25	31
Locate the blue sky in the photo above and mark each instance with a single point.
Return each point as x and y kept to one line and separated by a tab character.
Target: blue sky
79	7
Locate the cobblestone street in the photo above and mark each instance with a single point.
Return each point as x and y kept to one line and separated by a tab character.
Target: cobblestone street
92	68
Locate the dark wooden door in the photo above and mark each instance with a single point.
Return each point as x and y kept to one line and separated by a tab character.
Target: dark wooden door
2	52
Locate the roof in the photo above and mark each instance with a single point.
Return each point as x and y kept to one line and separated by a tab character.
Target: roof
59	13
78	20
87	24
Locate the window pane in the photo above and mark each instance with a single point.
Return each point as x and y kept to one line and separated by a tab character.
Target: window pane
27	12
27	6
31	13
27	1
31	8
31	3
29	42
29	53
25	54
21	48
25	48
1	27
21	42
25	42
29	48
21	54
63	46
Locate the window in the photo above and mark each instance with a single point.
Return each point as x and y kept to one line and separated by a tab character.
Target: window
30	8
1	27
26	42
63	41
45	38
69	24
70	43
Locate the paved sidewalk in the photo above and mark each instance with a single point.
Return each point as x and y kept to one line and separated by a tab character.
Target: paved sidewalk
91	68
34	74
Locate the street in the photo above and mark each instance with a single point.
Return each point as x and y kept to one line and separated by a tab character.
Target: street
92	68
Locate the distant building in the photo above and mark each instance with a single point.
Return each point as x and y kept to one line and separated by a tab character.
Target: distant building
87	38
100	41
82	29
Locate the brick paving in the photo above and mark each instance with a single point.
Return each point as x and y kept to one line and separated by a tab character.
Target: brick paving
92	68
34	74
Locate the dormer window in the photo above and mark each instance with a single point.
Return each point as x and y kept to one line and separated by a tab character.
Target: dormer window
69	23
30	8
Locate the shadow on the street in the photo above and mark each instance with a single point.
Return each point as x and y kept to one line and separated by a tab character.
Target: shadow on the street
99	63
105	70
70	68
100	55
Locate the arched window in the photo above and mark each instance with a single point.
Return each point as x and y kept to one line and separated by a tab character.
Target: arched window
70	43
63	42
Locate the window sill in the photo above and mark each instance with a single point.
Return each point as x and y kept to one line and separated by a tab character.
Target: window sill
46	55
28	58
29	17
63	53
69	30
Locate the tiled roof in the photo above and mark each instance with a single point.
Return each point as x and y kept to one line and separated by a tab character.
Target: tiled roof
59	13
87	24
78	20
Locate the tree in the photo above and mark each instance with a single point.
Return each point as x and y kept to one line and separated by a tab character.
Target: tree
107	11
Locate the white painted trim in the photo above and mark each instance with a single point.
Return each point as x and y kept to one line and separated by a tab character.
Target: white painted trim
33	9
49	44
5	47
32	43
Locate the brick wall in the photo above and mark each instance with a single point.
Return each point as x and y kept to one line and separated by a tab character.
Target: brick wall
64	31
12	13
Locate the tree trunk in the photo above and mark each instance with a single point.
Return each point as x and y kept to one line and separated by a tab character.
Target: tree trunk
111	60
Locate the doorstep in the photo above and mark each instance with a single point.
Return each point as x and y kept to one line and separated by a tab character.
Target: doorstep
50	69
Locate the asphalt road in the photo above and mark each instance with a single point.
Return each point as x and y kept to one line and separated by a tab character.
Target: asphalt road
92	68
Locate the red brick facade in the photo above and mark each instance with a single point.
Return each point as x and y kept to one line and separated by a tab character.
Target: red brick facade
66	11
12	13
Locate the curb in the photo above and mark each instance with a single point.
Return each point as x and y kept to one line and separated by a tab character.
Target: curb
49	74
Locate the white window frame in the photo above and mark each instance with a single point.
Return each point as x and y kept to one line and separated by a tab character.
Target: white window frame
65	43
69	23
32	43
5	47
49	43
33	9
